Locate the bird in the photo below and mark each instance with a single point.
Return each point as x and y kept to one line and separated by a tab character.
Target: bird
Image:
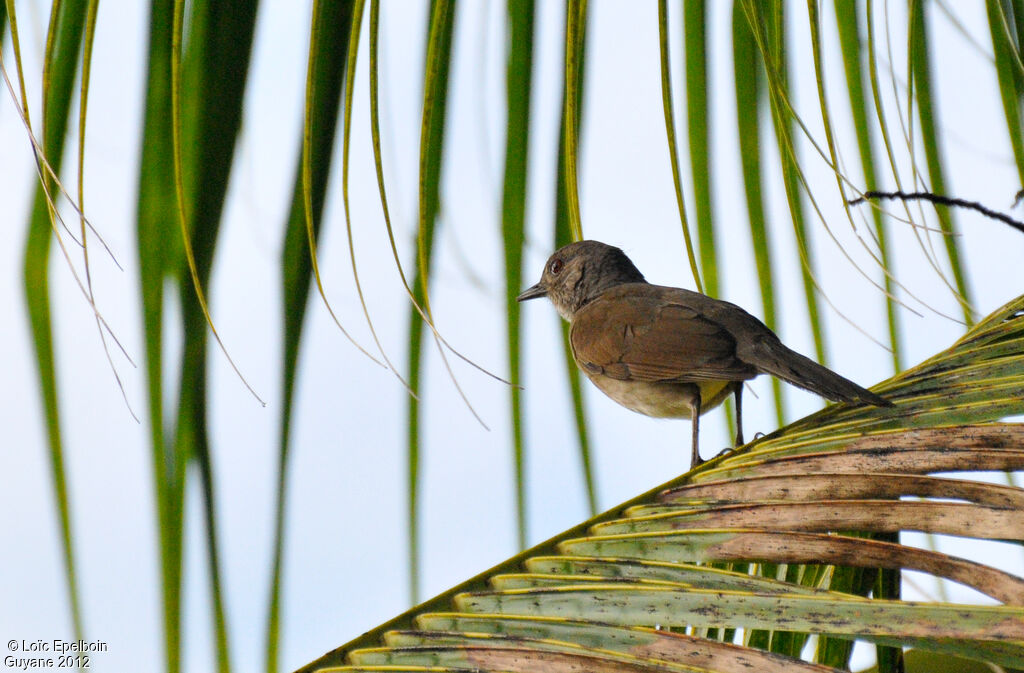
668	352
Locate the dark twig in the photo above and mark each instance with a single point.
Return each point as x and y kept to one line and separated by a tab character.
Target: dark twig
941	201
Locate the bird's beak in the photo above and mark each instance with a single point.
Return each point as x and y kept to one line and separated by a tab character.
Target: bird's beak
537	290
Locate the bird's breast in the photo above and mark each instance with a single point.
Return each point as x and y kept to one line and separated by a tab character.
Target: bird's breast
662	399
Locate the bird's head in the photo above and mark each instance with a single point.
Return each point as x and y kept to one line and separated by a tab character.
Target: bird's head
579	272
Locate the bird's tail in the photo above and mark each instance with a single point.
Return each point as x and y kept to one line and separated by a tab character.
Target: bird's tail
788	365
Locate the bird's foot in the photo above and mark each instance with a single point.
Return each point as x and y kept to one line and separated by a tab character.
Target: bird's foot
725	452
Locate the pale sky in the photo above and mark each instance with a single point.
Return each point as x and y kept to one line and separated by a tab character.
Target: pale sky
346	554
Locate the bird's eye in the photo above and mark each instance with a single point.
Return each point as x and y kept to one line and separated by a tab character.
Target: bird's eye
556	266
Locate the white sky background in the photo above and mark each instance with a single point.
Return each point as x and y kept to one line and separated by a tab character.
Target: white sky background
345	560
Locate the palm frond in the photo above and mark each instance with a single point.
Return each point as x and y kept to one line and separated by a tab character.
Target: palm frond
631	588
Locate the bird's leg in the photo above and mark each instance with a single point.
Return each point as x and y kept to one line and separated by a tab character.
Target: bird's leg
737	391
695	458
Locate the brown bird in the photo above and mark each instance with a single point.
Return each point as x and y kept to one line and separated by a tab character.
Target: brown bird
665	351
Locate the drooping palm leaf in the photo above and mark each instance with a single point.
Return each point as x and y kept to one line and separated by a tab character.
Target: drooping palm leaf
575	30
748	75
215	65
767	22
699	137
435	100
920	77
159	252
513	215
60	67
848	25
615	592
563	236
697	43
332	24
187	194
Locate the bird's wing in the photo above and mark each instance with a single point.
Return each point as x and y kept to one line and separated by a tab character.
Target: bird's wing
652	334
